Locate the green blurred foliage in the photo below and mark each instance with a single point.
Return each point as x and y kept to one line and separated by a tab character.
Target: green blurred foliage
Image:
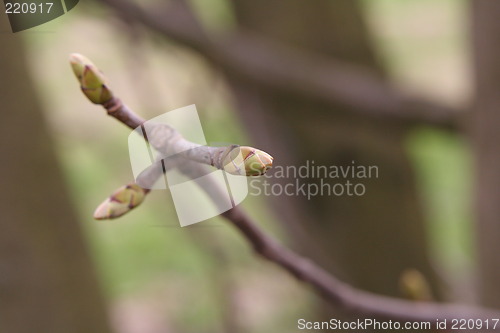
444	175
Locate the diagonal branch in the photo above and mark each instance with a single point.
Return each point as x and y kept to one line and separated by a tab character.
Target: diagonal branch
347	298
293	71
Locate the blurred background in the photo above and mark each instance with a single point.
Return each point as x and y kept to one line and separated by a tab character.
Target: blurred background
433	207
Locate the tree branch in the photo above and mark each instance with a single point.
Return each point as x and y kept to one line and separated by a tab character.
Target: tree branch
351	300
293	71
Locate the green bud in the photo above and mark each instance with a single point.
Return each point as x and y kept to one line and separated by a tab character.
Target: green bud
414	285
98	96
247	161
92	81
120	202
78	62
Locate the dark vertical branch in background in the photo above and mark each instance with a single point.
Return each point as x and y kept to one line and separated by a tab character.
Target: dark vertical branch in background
47	282
485	34
367	240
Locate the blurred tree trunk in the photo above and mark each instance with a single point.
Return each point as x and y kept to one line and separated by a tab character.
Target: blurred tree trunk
367	240
47	282
485	33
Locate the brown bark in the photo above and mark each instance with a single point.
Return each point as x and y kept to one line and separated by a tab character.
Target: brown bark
485	32
47	282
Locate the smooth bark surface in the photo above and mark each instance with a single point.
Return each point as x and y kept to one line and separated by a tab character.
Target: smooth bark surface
485	33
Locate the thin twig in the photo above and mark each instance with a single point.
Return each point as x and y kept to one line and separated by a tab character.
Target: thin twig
347	298
169	143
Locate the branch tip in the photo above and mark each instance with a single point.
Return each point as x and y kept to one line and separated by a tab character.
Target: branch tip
120	202
92	80
247	161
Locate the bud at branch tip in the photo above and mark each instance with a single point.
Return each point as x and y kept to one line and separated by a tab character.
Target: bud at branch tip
120	202
92	81
247	161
